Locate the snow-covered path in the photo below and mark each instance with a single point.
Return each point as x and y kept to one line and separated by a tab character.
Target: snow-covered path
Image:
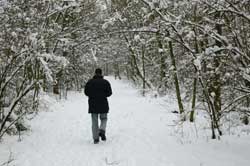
139	133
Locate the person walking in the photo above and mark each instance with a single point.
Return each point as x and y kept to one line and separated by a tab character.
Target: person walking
98	89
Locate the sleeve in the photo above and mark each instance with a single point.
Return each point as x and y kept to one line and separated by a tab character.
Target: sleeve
86	89
108	90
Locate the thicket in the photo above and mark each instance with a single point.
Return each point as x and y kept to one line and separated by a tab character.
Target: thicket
198	48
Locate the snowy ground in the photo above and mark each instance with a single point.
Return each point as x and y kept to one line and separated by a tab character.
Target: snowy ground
140	133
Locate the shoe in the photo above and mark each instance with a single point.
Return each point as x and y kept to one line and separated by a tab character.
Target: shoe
96	141
102	135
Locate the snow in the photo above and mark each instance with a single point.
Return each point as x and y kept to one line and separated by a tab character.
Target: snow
93	53
108	22
47	69
212	50
13	34
141	131
197	63
137	38
160	50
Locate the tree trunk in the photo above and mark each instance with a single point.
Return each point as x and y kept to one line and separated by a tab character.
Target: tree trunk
216	85
193	100
191	118
143	69
135	65
176	82
163	58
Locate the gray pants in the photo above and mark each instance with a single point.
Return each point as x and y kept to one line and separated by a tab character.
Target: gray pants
95	124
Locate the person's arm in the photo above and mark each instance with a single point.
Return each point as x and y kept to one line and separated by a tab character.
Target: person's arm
86	89
108	90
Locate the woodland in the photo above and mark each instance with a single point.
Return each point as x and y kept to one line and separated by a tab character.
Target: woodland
198	50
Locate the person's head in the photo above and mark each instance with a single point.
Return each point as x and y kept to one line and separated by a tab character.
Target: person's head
98	71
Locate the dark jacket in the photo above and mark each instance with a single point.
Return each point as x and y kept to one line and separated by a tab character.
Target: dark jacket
98	89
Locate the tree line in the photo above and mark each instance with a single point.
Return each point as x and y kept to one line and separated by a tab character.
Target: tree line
198	48
45	47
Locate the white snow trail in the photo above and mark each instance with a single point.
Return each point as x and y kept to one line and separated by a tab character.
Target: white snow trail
138	134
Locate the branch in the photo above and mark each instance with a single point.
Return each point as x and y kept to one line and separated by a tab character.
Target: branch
116	32
235	101
236	11
9	160
11	124
11	76
14	103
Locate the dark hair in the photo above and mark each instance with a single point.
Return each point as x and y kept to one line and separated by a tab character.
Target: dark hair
98	71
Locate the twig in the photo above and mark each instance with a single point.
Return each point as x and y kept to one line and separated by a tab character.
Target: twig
12	123
111	163
11	159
